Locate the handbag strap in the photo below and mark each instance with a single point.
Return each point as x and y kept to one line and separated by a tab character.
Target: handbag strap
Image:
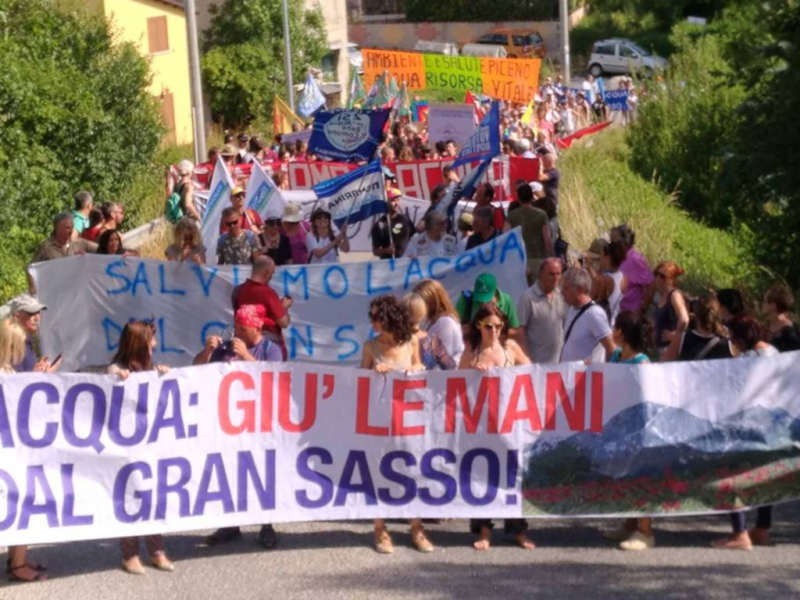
583	309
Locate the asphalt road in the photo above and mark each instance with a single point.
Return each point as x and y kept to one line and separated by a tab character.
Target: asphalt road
336	560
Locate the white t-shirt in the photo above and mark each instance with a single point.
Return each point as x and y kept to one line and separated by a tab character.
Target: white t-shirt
449	332
766	351
584	340
312	243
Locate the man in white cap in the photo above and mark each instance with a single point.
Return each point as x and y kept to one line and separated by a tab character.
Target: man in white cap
26	310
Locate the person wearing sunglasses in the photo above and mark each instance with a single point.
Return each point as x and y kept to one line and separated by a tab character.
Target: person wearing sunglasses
248	218
323	242
235	246
671	315
488	347
394	348
275	244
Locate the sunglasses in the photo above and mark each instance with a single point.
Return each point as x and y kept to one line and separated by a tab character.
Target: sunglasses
273	222
231	223
491	326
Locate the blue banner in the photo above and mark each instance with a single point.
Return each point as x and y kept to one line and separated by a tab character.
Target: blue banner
347	135
354	196
617	100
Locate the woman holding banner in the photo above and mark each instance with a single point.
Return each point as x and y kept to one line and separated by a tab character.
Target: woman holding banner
488	347
443	319
394	348
12	351
135	354
323	242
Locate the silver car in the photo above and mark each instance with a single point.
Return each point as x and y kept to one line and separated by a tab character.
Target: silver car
620	56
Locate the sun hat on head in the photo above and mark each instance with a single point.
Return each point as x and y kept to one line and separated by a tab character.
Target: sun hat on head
228	150
185	167
292	213
485	287
598	247
320	210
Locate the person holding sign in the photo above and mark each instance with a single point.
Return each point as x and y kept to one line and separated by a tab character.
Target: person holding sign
13	344
323	242
394	348
135	354
488	347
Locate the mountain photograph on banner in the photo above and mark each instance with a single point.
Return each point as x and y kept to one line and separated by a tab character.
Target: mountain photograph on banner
481	147
354	196
347	135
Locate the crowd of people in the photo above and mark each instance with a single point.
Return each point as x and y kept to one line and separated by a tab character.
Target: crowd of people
607	304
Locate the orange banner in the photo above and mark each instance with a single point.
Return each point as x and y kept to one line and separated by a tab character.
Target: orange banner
514	79
406	67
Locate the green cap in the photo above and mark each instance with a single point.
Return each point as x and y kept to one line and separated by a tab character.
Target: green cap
485	287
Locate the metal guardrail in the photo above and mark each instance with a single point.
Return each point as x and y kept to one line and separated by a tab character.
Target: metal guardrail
136	238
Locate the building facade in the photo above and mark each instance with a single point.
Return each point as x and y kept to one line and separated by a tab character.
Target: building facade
158	29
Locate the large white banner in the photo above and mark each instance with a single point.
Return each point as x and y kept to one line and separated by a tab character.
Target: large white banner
451	122
91	297
90	456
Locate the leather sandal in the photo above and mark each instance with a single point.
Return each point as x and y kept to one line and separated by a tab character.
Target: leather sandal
31	565
162	563
421	543
383	542
15	575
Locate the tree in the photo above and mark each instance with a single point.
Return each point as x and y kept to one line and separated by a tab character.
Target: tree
243	61
76	113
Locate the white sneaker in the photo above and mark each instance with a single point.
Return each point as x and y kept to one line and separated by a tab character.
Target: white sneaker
638	541
619	534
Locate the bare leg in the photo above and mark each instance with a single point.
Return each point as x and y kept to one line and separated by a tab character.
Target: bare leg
645	526
484	541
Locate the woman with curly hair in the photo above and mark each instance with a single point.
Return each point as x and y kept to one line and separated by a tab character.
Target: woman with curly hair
488	347
394	348
187	245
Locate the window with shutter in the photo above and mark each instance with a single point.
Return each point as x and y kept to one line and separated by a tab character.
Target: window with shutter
157	34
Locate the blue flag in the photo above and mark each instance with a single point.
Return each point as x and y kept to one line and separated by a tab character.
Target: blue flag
311	100
354	196
347	135
482	147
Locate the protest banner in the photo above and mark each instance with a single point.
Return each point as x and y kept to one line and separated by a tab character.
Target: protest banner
283	118
450	122
355	196
514	79
227	444
348	135
190	302
311	98
405	67
617	99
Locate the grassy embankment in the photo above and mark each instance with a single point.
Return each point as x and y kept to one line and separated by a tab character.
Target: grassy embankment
600	190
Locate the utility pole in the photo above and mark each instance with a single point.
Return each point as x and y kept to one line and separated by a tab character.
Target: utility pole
288	52
197	87
563	6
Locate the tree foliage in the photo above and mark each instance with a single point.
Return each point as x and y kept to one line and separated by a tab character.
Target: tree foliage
481	10
244	54
74	113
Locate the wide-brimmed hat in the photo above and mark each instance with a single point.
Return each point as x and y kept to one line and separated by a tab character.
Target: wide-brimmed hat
292	213
228	150
598	247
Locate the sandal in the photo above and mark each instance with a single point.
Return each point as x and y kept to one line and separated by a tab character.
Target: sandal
133	566
15	575
383	542
421	542
31	565
162	563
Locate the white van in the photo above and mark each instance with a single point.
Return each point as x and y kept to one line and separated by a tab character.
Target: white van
484	50
445	48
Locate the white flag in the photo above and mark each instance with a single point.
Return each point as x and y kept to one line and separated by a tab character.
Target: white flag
219	198
262	195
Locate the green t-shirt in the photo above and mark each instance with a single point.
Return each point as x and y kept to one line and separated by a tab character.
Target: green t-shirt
501	299
533	221
79	222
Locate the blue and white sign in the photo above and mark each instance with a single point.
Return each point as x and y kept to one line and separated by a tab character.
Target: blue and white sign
347	135
262	195
354	196
311	100
617	99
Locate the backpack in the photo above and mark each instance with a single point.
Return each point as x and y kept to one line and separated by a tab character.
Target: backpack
173	211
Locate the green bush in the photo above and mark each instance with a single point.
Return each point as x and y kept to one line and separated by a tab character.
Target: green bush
243	61
76	114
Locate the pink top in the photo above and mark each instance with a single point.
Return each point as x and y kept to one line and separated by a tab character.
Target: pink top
639	277
298	243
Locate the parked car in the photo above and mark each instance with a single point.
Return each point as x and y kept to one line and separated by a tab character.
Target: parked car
484	50
620	56
519	43
445	48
